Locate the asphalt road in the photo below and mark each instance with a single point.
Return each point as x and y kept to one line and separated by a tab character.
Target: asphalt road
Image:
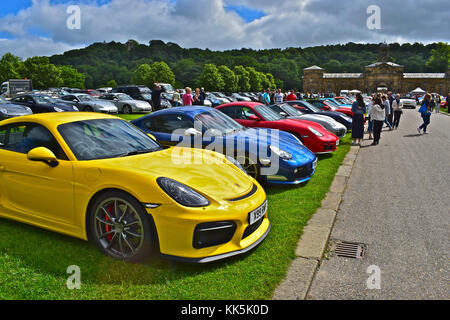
397	203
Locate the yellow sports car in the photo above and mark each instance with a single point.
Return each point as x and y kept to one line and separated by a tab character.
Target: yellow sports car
99	178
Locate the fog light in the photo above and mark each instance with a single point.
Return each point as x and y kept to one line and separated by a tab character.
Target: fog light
211	234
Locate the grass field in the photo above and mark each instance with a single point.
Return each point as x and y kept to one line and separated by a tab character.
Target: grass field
33	262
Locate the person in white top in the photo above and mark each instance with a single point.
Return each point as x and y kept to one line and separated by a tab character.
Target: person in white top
397	106
279	96
377	114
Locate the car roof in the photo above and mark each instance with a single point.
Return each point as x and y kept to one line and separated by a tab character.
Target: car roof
242	103
54	119
189	110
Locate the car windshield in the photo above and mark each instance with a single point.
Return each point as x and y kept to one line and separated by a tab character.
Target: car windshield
290	110
44	99
267	113
105	139
167	87
330	103
218	94
145	90
123	97
146	96
85	97
308	105
218	123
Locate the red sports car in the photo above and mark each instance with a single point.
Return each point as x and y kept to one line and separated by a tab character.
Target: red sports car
253	114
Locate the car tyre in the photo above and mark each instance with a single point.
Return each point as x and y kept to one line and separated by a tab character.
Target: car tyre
120	227
127	109
88	109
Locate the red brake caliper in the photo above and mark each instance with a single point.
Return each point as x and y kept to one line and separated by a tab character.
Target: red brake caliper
108	227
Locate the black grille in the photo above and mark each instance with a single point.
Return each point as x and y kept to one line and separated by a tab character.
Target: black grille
304	171
252	228
211	234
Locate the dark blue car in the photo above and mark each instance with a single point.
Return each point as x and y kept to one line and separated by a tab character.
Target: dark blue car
40	103
273	156
9	110
308	108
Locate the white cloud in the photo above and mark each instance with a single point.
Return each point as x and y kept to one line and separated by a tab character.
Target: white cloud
41	29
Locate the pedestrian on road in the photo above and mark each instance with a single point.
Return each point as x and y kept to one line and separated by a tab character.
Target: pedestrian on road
438	103
370	121
378	116
397	108
391	100
278	97
425	112
387	111
358	109
447	100
187	97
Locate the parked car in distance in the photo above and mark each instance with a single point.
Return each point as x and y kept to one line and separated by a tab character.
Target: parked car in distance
40	103
224	96
327	122
239	97
10	110
105	90
125	104
87	103
306	107
408	103
296	164
253	114
99	178
328	105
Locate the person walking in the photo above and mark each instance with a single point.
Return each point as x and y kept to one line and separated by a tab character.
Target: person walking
370	121
261	96
358	109
378	115
156	96
291	96
187	97
267	97
397	106
432	103
391	100
387	111
447	100
438	103
425	112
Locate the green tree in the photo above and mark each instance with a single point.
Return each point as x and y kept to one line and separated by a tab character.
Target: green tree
9	65
211	79
255	79
440	58
143	75
271	79
111	84
243	78
71	77
162	73
229	78
42	72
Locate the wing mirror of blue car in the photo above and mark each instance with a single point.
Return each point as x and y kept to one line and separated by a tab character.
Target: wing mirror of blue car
43	155
192	132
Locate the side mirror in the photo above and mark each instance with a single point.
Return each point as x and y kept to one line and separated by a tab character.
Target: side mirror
151	136
283	114
192	132
254	118
43	155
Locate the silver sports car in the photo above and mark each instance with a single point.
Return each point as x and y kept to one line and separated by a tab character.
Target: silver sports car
126	104
85	102
328	123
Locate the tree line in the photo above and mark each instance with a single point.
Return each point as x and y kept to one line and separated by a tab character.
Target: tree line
109	64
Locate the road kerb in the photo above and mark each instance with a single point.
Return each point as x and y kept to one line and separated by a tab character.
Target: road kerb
312	244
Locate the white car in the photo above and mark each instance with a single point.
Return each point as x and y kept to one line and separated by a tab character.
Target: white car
408	103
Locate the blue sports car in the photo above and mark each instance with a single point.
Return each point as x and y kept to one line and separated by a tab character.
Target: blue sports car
272	156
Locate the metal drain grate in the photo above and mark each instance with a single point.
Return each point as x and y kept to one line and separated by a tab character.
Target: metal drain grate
350	249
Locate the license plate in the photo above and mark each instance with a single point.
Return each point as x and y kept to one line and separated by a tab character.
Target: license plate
258	213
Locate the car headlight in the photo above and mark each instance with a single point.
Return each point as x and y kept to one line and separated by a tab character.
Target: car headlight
3	110
281	153
58	109
28	109
182	193
317	133
236	163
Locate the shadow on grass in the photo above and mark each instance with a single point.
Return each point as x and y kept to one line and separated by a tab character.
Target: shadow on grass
51	253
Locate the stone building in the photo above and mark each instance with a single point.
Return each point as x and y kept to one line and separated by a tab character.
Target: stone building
381	74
